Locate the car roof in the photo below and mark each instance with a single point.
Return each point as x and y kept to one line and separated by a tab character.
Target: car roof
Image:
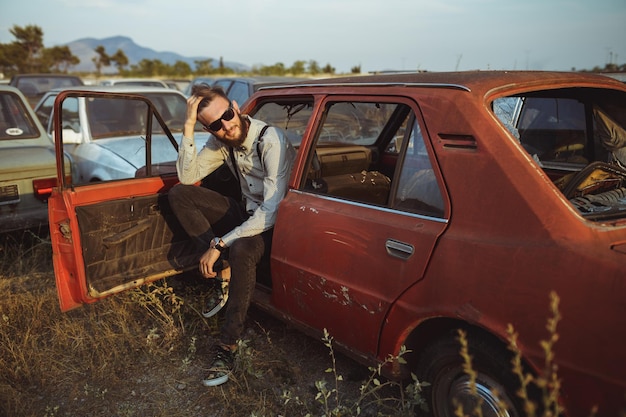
475	81
262	79
6	87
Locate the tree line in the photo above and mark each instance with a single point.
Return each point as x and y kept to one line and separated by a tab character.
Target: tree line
27	54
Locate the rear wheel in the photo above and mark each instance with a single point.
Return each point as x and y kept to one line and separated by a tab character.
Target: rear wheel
441	365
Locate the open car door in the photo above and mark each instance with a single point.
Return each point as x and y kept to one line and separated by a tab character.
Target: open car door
111	236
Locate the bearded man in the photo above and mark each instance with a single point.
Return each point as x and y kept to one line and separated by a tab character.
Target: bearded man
224	227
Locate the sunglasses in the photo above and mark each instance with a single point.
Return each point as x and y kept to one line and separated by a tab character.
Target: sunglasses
228	116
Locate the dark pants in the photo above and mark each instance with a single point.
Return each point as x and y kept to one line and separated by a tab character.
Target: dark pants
204	214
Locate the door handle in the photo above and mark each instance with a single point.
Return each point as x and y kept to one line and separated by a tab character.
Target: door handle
399	249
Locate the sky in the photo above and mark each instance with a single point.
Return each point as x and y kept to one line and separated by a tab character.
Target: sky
377	35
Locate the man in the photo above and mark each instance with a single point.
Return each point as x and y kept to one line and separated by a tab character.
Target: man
222	225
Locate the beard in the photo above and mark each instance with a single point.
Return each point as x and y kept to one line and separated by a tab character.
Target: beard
238	140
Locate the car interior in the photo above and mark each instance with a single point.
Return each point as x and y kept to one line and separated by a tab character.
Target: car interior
578	137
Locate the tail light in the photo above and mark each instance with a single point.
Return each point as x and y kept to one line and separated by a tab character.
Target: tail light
42	188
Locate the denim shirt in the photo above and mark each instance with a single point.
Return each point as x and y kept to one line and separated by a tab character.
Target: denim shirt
263	184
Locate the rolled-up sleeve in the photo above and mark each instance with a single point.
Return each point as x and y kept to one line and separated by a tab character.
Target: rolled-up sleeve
192	166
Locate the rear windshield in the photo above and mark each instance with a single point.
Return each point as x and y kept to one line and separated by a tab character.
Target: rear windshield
34	86
15	121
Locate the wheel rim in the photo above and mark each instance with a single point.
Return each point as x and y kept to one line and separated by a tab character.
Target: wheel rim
487	390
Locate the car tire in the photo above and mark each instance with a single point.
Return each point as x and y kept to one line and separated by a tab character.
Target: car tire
441	365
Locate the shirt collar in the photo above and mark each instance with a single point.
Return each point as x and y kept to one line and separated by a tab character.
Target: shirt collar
253	131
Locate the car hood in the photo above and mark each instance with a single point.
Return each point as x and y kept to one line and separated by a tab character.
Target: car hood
133	149
27	162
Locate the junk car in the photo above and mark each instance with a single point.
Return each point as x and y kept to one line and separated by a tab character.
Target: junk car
419	204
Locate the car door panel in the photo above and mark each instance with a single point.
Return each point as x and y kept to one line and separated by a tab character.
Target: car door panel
123	234
341	275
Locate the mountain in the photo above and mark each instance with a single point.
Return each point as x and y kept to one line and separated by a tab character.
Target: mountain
84	49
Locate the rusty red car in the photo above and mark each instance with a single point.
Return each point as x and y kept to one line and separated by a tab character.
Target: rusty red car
419	204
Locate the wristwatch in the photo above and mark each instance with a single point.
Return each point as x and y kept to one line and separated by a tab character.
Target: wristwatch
218	244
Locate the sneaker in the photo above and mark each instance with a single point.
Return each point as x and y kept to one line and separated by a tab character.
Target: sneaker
221	367
218	295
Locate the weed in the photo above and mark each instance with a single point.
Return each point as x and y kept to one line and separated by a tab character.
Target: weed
245	359
459	410
191	352
94	392
162	304
374	394
51	411
548	381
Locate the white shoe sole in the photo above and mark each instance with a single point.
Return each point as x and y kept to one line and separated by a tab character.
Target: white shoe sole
215	382
218	307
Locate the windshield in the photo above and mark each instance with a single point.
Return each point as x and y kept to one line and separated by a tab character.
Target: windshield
119	117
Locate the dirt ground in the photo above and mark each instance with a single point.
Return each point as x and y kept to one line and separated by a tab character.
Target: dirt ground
116	358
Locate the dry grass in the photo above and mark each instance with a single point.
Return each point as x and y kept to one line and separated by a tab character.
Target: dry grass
142	353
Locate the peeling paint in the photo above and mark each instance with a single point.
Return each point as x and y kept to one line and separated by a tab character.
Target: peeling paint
332	293
311	209
346	296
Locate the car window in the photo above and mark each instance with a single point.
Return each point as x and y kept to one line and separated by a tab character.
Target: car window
239	92
119	117
223	83
355	123
292	116
34	87
418	190
15	122
70	114
551	129
345	164
173	109
44	111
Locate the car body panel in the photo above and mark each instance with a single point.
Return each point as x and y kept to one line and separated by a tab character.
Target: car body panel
504	233
27	164
315	280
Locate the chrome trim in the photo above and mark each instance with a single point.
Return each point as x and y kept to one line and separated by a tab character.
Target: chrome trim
383	209
380	84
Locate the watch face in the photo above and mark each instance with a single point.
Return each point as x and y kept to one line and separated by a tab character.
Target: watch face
216	244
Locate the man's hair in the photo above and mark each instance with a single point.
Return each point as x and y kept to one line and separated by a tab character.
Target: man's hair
208	94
